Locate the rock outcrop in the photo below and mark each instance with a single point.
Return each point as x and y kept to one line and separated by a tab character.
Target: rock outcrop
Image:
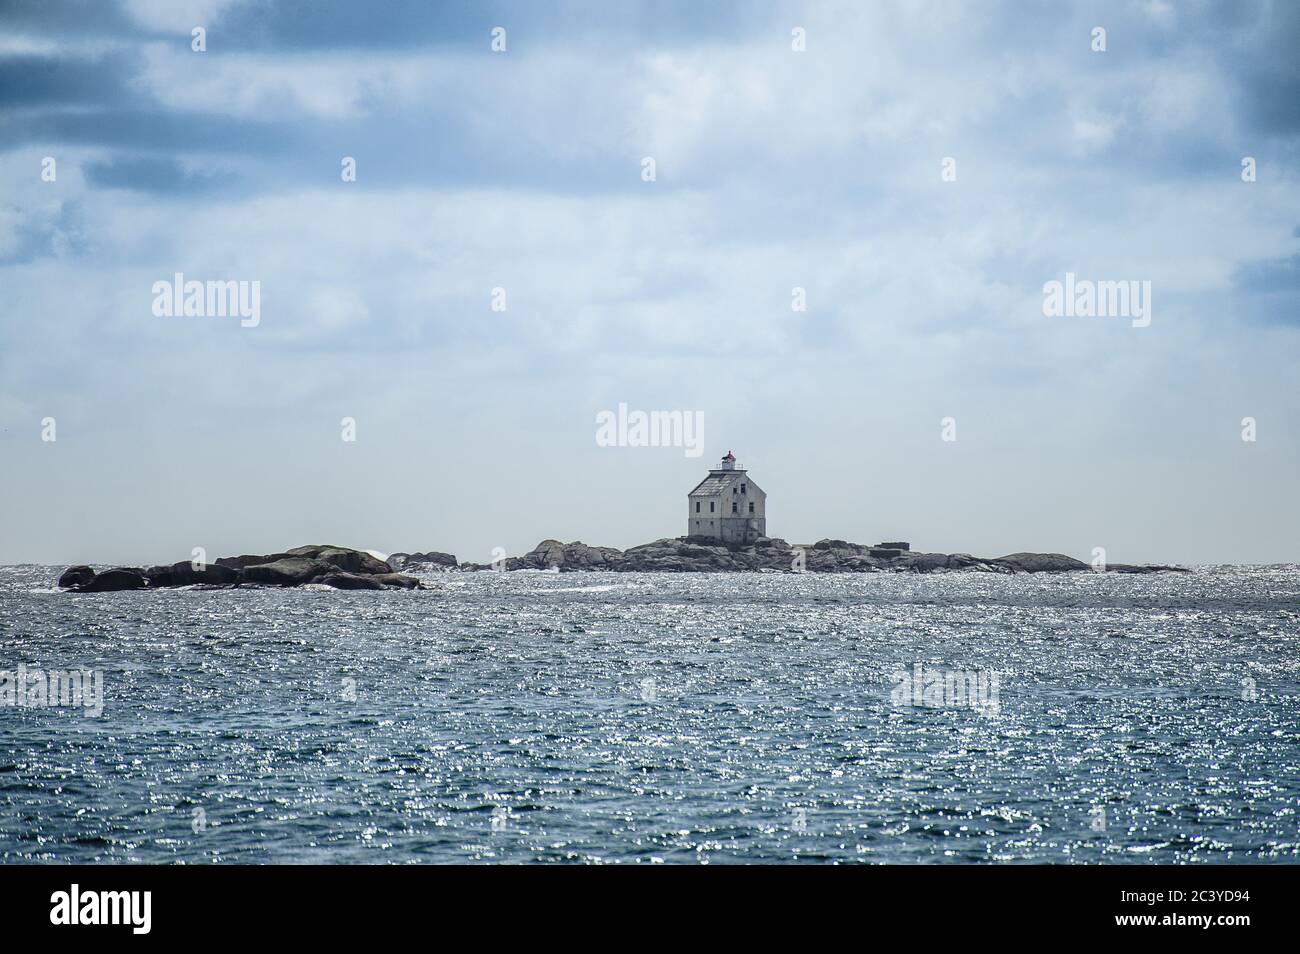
1041	562
352	581
118	578
186	573
432	558
347	569
76	576
771	554
349	561
397	581
339	567
289	571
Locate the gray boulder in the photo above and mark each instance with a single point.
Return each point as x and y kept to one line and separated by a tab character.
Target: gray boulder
116	579
184	574
692	550
668	544
432	558
827	544
821	561
351	581
249	559
290	571
343	558
570	556
1040	562
76	576
1144	568
545	555
397	581
927	562
860	564
579	556
368	581
349	561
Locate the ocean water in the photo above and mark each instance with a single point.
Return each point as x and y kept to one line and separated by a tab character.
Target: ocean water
628	718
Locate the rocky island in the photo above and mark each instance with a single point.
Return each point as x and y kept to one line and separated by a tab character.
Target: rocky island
338	567
726	526
693	554
346	569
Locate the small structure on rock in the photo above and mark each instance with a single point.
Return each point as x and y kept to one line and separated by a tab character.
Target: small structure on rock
727	505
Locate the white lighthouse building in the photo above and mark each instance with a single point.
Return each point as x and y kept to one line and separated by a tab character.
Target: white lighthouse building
727	505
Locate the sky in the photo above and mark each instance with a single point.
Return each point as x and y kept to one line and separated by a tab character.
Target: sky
917	171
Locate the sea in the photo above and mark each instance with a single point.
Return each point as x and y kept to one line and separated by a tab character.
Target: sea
618	718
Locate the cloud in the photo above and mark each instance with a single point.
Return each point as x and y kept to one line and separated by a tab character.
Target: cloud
181	16
1280	274
1269	290
149	174
54	81
776	169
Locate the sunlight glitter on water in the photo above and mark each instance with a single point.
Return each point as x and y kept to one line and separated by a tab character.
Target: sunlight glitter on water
676	718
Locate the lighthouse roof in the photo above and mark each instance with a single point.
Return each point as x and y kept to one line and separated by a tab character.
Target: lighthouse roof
719	480
715	483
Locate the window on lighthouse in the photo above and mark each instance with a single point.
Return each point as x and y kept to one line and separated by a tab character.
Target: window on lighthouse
733	507
697	506
751	506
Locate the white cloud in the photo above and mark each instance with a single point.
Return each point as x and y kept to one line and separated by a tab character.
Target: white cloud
1094	133
179	15
255	85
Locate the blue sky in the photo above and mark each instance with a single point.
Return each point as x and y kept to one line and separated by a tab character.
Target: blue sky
521	170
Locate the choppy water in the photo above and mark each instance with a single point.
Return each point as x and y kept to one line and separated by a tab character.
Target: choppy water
647	718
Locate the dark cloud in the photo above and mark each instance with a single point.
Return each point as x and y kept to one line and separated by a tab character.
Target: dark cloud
342	24
150	174
67	19
301	25
100	101
1259	44
40	81
150	130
